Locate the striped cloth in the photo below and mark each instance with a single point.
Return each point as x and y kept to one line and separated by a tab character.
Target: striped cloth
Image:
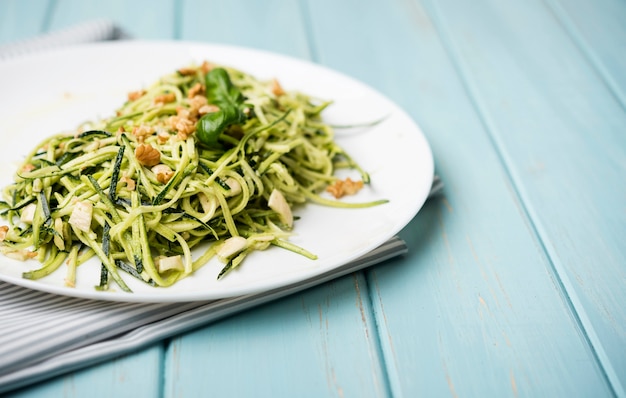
61	334
43	335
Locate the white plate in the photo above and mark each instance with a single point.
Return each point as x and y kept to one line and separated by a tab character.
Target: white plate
54	91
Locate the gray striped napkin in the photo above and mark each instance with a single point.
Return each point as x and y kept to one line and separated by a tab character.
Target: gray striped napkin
60	334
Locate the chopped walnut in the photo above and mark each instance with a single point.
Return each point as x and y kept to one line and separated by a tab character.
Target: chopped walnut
165	98
184	127
208	109
187	71
206	67
21	255
163	136
4	230
172	121
141	132
147	155
28	167
130	183
197	102
163	173
135	95
345	187
277	89
183	112
197	89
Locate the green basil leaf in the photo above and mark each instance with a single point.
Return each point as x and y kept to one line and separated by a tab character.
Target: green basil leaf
220	89
221	92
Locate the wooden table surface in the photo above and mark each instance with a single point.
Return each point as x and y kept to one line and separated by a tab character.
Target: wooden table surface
515	280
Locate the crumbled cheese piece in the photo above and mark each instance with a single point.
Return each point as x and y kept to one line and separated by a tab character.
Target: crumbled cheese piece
59	240
231	246
81	216
28	213
168	263
21	255
234	185
278	203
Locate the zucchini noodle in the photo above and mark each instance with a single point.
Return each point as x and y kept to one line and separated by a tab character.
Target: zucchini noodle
187	163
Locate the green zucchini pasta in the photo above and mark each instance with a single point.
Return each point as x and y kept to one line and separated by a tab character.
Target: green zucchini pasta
208	157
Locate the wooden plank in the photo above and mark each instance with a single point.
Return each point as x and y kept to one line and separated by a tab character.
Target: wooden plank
132	375
21	19
495	297
319	343
475	309
269	25
142	19
564	147
598	28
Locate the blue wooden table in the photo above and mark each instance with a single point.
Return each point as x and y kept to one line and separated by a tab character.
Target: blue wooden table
515	280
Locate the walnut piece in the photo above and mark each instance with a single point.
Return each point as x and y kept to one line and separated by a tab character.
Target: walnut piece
197	89
163	173
196	103
28	167
4	230
341	188
21	255
183	112
135	95
147	155
130	183
184	127
163	136
165	98
206	67
208	109
277	89
142	132
187	71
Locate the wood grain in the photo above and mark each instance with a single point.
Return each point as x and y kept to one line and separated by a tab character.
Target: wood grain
320	343
563	149
19	19
514	281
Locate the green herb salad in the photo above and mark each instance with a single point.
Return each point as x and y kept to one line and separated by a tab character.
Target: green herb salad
207	158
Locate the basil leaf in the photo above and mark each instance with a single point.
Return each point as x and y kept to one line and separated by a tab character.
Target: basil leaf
220	91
